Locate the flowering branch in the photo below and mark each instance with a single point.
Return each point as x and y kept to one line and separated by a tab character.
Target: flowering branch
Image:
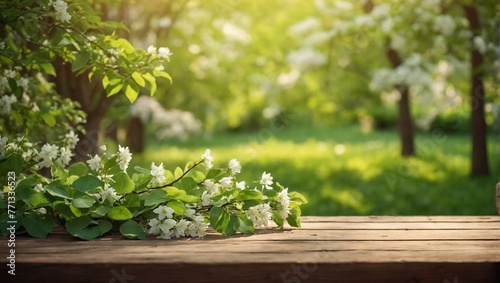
89	197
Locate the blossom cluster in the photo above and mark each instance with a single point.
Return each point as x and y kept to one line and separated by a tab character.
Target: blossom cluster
61	9
161	52
167	123
44	157
166	227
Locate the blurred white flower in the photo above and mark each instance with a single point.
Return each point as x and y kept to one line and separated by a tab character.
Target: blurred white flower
235	166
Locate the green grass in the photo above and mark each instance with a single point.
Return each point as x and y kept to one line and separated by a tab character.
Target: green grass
343	171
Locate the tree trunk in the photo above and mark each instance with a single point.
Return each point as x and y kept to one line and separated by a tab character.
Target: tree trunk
479	155
405	123
135	135
93	101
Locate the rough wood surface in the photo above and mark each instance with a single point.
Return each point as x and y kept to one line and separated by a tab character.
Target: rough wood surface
326	249
498	198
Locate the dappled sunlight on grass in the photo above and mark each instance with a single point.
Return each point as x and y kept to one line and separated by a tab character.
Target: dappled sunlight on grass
345	172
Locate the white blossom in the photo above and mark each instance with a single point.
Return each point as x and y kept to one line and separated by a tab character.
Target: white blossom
48	153
180	228
304	27
197	228
306	58
211	187
479	44
71	139
266	180
158	173
164	52
260	214
241	185
94	163
226	182
205	198
235	166
207	158
444	24
154	226
5	103
24	83
65	156
163	212
124	157
284	201
61	8
3	145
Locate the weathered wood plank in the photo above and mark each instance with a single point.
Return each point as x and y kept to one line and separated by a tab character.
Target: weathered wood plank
263	273
326	249
402	219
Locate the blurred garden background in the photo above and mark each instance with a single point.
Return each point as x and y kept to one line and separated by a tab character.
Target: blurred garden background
365	107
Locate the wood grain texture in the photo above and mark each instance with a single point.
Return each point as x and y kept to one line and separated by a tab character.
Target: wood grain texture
326	249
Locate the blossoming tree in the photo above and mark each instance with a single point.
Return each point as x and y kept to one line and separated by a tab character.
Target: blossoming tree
90	197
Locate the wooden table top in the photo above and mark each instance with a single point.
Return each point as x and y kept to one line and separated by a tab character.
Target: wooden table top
345	248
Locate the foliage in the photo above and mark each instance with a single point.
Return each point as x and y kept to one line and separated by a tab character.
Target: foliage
38	34
91	198
345	171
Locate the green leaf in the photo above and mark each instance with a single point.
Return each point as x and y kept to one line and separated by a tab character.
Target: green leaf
138	79
113	89
232	226
14	162
197	176
271	194
48	118
78	169
87	183
246	225
174	192
277	218
162	74
294	218
132	200
80	61
63	210
219	219
119	213
249	203
249	195
178	173
178	206
75	210
83	201
132	91
214	173
105	226
38	200
187	184
297	197
142	170
87	229
38	226
123	183
155	197
141	180
28	183
132	230
59	189
188	198
152	83
101	210
48	68
169	177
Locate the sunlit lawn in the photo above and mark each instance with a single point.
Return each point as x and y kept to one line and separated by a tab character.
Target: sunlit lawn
343	171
